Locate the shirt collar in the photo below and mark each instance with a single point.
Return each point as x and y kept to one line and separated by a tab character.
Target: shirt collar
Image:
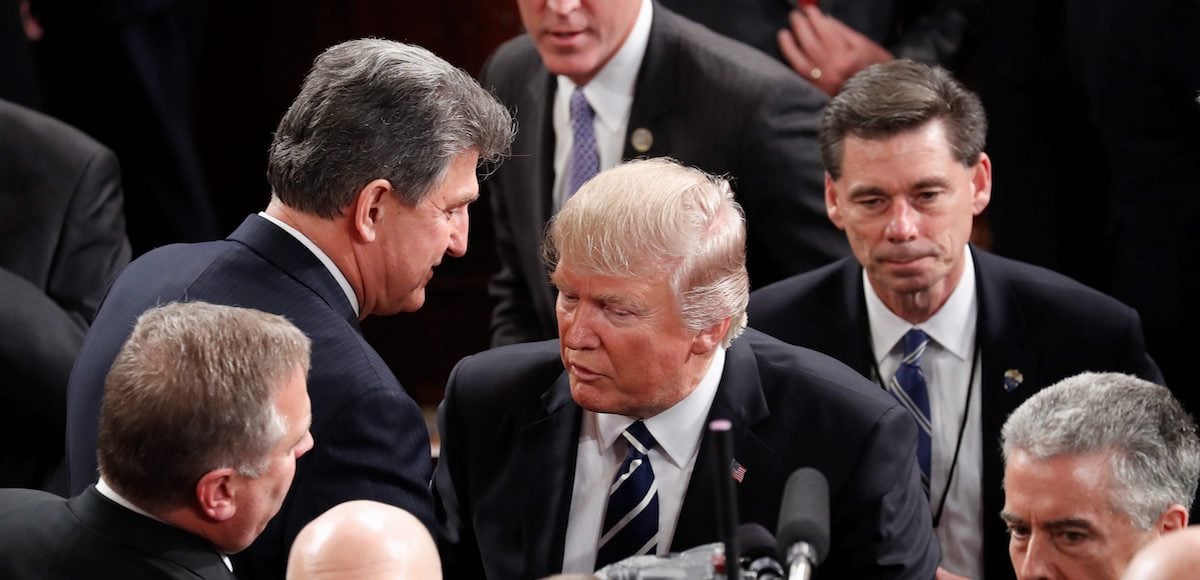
610	92
677	430
321	255
951	327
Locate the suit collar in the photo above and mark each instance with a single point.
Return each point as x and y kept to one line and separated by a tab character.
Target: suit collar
740	400
290	256
547	496
147	536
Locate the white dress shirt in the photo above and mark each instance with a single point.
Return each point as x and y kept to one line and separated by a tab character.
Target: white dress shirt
316	250
610	93
602	449
947	365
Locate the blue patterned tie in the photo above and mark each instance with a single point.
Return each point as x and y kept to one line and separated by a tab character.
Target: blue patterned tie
909	387
631	520
584	161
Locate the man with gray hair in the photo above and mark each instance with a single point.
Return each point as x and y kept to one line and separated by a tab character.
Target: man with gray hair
372	170
205	413
960	335
649	259
1095	467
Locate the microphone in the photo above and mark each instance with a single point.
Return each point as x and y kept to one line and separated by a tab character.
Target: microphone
758	552
726	501
804	522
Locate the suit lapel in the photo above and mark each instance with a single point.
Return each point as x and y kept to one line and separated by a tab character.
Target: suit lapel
654	93
1002	332
291	257
739	399
547	496
850	329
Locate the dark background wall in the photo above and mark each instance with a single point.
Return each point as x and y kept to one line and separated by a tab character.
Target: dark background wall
254	59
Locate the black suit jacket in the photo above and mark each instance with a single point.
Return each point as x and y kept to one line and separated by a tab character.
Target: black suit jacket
371	440
510	433
62	240
46	537
1032	320
709	102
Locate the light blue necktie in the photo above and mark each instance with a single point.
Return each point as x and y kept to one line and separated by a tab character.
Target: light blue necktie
584	160
909	387
631	519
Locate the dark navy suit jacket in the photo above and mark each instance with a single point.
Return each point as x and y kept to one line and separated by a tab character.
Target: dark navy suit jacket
46	537
1031	320
510	433
371	440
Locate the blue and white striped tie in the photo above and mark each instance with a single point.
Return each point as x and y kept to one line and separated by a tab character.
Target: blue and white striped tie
909	387
631	520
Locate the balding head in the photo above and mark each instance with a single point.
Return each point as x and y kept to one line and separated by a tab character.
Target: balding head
1173	556
364	540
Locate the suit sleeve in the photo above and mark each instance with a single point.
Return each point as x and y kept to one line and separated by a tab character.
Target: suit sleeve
455	536
91	250
884	527
780	184
1136	360
378	449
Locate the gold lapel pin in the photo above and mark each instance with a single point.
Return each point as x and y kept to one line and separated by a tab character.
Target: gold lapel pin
1012	379
641	139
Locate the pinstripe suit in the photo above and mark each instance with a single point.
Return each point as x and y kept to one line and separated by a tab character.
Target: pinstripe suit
709	102
371	441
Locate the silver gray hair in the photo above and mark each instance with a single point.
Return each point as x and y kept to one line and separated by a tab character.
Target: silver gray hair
377	109
657	218
193	390
1151	441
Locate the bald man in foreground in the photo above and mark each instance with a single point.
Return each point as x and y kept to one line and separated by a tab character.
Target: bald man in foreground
1174	556
364	540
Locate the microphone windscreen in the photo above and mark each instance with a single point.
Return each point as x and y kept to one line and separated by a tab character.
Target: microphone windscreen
755	541
804	513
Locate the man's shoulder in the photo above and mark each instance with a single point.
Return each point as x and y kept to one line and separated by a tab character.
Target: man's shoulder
1045	292
794	375
529	366
777	308
511	64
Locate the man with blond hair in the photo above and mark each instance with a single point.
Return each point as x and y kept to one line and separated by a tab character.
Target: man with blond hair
205	414
649	262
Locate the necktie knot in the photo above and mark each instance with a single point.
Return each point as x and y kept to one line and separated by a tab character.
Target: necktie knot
915	341
639	438
581	110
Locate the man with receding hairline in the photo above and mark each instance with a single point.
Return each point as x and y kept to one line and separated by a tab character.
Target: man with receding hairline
372	171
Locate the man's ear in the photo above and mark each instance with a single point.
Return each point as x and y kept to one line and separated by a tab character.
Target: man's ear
367	209
709	338
831	202
216	492
1174	518
982	182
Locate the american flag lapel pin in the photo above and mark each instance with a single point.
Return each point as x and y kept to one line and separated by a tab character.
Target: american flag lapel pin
737	470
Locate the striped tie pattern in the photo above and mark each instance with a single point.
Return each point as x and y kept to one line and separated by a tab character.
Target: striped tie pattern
909	387
584	160
631	519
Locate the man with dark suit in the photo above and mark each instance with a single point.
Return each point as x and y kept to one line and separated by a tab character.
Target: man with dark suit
646	82
545	469
905	177
205	413
62	240
371	171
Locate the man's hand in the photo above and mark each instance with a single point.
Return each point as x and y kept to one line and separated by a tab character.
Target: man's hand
825	51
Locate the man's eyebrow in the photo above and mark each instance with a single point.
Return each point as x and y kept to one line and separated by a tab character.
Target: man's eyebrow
864	191
1011	518
1069	523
